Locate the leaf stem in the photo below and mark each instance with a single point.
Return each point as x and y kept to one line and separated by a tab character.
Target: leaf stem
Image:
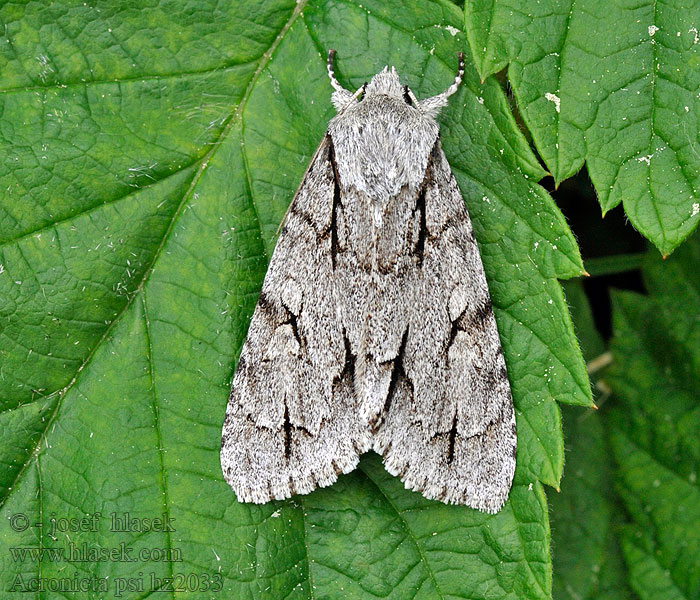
617	263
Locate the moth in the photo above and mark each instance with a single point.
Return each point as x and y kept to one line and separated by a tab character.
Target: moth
374	328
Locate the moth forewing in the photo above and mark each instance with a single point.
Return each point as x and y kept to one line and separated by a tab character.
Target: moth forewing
292	419
374	327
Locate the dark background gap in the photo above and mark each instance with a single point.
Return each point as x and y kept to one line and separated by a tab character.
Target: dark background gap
598	237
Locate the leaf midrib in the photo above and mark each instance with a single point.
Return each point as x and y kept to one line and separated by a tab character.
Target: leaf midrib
68	218
157	428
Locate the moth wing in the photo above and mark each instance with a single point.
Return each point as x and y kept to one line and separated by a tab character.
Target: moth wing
292	421
448	428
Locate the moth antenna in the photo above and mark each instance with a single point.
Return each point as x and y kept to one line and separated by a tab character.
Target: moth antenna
435	103
458	79
331	74
341	98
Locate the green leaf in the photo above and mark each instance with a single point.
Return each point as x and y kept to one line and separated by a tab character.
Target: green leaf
654	430
585	516
587	557
150	155
611	84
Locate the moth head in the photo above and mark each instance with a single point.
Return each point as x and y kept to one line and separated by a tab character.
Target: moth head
387	83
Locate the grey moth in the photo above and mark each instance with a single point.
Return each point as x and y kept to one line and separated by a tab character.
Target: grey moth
374	328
